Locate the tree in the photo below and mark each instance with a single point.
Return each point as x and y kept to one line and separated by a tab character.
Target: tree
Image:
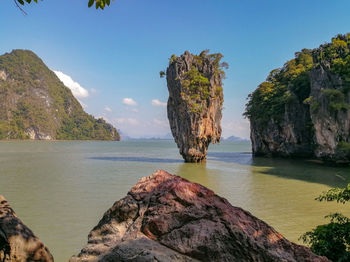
333	239
98	3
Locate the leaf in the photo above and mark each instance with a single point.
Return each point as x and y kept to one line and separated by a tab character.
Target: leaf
21	2
91	2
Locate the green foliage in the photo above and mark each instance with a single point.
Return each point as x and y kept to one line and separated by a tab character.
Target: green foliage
197	89
98	3
341	195
282	86
172	59
266	104
333	239
336	100
344	146
161	74
35	99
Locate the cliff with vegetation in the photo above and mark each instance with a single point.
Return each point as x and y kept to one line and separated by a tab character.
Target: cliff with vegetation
35	104
195	102
302	109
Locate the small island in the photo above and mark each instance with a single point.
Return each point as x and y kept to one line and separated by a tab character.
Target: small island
302	109
195	102
36	105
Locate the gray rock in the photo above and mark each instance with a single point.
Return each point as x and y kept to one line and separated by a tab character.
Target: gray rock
194	122
17	242
303	132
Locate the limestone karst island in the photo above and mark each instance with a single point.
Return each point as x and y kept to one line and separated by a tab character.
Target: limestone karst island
185	131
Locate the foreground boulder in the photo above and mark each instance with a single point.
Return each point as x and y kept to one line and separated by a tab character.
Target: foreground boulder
195	102
167	218
17	242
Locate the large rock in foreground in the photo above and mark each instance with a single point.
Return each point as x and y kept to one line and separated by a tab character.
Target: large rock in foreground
17	242
167	218
195	102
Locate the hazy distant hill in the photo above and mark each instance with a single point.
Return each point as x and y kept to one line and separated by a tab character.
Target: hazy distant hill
35	104
167	136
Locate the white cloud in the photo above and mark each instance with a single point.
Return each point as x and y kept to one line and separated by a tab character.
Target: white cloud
83	104
129	102
127	121
108	109
156	102
77	90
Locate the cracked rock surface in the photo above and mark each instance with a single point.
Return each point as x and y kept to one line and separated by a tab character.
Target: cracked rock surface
167	218
194	122
17	242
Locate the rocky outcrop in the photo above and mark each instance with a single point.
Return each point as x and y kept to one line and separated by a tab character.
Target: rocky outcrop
330	126
195	103
303	108
307	129
167	218
290	137
17	242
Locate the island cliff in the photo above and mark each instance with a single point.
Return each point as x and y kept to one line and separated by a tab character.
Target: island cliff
35	104
302	109
17	242
167	218
195	102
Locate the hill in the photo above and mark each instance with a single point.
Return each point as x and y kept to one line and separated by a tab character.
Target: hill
35	104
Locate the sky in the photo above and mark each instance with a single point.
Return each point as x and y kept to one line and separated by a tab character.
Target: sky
111	58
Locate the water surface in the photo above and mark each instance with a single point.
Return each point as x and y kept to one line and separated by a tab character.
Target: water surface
61	189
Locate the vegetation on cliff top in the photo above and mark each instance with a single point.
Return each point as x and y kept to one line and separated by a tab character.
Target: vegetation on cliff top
98	3
33	99
196	83
292	82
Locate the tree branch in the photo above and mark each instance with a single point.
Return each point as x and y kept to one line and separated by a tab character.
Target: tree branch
19	7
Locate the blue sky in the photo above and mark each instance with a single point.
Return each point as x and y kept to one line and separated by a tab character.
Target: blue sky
117	53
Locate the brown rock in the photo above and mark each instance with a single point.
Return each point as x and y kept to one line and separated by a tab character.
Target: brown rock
17	242
167	218
194	112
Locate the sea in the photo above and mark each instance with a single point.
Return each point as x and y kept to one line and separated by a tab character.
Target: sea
61	190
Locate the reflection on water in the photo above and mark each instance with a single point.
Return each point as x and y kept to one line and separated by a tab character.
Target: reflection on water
303	170
199	173
231	157
61	189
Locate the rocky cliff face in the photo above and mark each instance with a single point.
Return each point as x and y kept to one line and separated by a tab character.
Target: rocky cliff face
17	242
331	127
167	218
195	103
35	104
302	109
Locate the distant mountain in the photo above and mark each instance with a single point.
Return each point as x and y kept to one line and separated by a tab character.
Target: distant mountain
35	104
235	139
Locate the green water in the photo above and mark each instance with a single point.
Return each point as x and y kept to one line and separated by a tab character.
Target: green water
61	189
